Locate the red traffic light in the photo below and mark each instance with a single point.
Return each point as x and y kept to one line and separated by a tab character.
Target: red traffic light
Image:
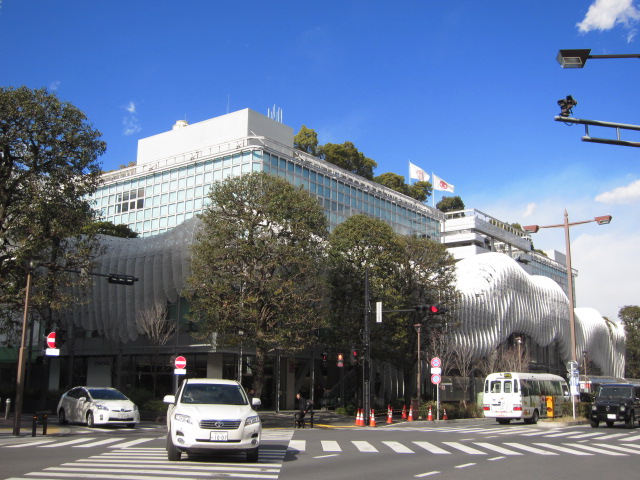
340	357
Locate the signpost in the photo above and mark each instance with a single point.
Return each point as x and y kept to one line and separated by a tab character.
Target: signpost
181	365
574	383
52	350
436	378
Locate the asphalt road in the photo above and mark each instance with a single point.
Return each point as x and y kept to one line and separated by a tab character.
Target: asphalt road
474	450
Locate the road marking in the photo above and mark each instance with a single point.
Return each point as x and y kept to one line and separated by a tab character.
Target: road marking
464	448
430	447
131	443
634	438
593	449
616	447
30	444
99	442
328	456
70	442
299	445
330	446
364	446
496	448
587	435
465	465
398	447
496	458
528	448
559	448
427	474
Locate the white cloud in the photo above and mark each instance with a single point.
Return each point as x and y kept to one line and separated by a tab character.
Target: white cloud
631	35
130	121
531	207
605	14
54	85
621	195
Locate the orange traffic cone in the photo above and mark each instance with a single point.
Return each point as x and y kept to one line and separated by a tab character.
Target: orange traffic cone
389	414
430	416
410	417
444	414
404	412
361	419
372	419
358	418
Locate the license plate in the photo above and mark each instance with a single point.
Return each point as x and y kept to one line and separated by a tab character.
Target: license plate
611	416
123	415
219	436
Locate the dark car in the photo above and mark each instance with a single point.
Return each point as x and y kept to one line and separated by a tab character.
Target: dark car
616	402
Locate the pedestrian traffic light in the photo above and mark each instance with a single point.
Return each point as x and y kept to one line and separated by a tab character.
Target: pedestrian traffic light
354	356
325	362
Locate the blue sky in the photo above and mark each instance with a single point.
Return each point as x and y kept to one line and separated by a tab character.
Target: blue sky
466	89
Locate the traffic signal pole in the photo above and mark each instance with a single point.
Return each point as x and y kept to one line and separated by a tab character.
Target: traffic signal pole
366	381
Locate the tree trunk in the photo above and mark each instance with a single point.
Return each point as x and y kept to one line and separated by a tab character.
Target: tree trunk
258	371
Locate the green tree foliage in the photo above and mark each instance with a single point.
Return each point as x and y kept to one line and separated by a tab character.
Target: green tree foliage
450	204
48	167
257	264
306	140
630	317
403	272
420	191
109	228
347	156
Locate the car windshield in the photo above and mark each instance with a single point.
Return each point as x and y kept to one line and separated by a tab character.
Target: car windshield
214	394
106	394
615	392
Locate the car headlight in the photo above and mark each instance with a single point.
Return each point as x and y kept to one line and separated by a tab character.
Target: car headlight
99	406
622	408
251	420
181	417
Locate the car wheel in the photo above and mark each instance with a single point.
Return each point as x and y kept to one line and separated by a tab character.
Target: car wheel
609	423
90	422
173	454
131	425
534	419
62	419
504	421
252	455
594	423
631	421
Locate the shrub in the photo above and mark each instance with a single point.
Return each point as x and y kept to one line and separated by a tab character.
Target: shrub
154	405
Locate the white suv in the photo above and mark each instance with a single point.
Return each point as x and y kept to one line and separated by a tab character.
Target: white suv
209	415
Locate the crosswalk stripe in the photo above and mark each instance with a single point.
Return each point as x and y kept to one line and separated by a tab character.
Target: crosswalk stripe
562	449
330	446
633	438
99	442
398	447
298	445
528	448
30	444
587	435
430	447
364	446
131	443
594	449
70	442
619	448
464	448
559	434
496	448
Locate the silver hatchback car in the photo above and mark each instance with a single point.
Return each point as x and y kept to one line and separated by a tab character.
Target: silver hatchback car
97	406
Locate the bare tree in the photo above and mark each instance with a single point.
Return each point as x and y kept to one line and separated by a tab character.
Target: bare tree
463	362
490	363
154	322
515	360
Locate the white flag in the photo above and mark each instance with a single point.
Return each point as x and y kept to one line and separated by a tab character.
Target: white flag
417	173
440	184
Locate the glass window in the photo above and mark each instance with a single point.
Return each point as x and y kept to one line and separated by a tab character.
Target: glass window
507	386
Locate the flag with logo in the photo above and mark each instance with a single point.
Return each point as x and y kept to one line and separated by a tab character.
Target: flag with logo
417	173
440	184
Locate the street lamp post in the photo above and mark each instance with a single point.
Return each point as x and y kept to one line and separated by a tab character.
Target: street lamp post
576	58
519	340
418	328
602	220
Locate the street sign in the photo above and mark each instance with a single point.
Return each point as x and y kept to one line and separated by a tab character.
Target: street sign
181	363
435	362
51	350
436	370
435	379
378	312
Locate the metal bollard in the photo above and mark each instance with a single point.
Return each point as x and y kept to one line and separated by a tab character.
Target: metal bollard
45	416
7	407
33	425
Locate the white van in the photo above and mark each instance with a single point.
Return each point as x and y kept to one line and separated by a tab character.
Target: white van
527	396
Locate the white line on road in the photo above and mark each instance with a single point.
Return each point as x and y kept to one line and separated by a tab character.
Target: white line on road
330	446
430	447
464	448
528	448
70	442
559	448
398	447
365	447
427	474
465	465
496	448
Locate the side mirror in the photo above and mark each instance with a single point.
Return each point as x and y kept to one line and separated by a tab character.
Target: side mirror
256	402
82	399
169	399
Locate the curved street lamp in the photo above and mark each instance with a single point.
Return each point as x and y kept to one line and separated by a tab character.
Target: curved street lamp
576	58
602	220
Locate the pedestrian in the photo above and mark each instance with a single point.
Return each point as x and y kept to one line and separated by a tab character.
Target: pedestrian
303	408
250	394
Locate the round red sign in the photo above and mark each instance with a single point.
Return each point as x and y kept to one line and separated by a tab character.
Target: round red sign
180	362
51	340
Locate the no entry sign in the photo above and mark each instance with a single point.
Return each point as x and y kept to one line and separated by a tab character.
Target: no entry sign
180	362
51	345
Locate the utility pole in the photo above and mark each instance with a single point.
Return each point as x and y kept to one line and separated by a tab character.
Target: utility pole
366	361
